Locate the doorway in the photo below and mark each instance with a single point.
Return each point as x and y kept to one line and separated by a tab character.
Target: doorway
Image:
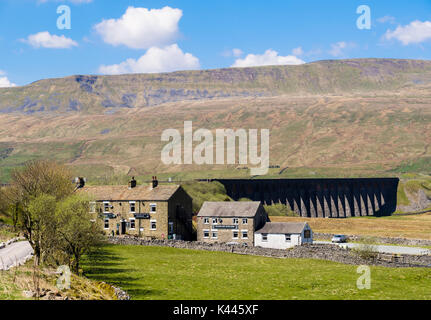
123	227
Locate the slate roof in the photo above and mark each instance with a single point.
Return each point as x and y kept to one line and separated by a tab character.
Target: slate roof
229	209
123	193
283	227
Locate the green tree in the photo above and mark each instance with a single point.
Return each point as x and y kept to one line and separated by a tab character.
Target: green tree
40	223
79	234
34	192
4	203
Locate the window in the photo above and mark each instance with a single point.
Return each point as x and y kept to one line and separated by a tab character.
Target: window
106	206
214	235
235	234
92	207
244	234
132	207
206	234
132	223
244	221
307	234
215	221
153	225
235	221
288	237
206	221
153	208
106	226
264	237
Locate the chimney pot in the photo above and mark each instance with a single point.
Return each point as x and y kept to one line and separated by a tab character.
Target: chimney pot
132	183
155	182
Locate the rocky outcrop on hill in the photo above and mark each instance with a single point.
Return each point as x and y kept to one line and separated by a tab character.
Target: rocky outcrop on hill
106	94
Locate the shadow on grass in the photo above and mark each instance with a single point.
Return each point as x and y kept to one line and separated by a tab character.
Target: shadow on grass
140	294
103	265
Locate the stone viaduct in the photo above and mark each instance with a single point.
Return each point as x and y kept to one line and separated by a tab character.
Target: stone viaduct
321	198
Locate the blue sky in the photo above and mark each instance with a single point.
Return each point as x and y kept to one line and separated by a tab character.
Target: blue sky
123	36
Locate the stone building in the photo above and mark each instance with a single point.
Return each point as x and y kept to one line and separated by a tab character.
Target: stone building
230	222
152	212
283	235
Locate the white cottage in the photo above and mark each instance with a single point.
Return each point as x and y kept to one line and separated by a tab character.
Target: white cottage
283	235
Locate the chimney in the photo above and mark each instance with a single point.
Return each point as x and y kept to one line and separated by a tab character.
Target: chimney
154	183
132	183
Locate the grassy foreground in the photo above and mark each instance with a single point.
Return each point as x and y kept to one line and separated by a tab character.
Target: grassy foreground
153	273
412	226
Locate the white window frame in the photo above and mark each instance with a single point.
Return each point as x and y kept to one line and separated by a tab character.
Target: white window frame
288	235
212	234
264	237
244	221
130	206
151	225
235	221
104	224
104	206
233	234
206	220
215	221
242	234
134	220
209	233
153	205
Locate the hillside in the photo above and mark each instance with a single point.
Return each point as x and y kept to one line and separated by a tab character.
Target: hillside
107	94
330	118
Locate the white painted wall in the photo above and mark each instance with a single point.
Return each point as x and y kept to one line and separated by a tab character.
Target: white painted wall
278	241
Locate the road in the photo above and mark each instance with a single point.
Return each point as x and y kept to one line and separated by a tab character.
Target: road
15	253
383	249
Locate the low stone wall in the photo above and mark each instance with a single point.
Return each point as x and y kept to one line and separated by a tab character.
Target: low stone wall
380	240
314	251
11	241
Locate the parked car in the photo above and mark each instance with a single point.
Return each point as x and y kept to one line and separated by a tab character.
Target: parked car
339	238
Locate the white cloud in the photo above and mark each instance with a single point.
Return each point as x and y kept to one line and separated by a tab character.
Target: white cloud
386	19
155	60
4	81
298	51
338	49
46	40
416	32
270	57
237	53
140	28
232	53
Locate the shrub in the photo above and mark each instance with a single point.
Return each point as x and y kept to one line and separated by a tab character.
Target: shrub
367	250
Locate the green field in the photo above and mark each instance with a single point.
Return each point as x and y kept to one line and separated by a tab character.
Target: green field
155	273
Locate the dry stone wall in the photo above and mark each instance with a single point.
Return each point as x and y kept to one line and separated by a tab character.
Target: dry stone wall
314	251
